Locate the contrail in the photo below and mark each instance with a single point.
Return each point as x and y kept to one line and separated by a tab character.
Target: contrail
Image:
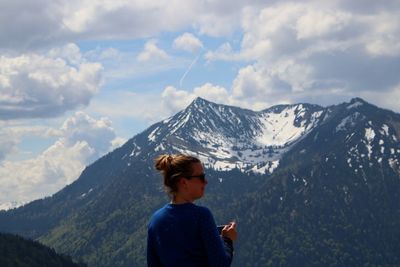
188	70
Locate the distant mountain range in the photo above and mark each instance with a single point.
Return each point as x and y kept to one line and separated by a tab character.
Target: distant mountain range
308	186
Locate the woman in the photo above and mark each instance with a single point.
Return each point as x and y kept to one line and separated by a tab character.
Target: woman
182	233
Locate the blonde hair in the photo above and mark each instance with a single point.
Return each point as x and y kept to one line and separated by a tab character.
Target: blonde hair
173	167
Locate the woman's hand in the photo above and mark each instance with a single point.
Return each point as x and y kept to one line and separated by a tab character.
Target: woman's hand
230	231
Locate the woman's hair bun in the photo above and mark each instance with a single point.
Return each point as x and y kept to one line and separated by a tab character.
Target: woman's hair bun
163	162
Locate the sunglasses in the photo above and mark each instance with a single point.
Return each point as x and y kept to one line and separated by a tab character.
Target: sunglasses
202	176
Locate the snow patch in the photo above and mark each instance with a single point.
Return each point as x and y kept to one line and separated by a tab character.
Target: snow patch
160	147
354	105
279	128
349	162
273	166
369	134
135	151
385	130
179	123
349	121
152	135
167	120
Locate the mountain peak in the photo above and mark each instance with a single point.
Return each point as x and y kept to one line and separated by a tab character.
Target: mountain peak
203	105
357	99
199	102
357	102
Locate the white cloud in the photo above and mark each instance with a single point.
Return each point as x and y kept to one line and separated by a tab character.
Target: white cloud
384	36
317	23
7	144
297	75
70	53
387	46
120	18
103	54
223	52
51	22
13	132
34	85
188	42
213	25
28	25
213	93
251	83
286	29
174	100
306	49
253	88
82	140
96	133
152	52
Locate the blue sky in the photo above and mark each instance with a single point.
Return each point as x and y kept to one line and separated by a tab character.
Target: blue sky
79	78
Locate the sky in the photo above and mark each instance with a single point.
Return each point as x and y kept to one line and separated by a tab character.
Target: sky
80	78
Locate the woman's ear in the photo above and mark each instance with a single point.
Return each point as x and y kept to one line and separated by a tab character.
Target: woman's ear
182	182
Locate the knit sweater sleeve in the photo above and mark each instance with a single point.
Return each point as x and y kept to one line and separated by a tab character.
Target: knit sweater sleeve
219	250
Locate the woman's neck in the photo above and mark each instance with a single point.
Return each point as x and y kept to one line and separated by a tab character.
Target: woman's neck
177	199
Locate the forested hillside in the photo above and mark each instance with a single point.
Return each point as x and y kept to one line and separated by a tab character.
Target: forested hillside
16	251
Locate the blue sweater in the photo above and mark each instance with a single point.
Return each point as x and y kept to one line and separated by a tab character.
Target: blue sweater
186	235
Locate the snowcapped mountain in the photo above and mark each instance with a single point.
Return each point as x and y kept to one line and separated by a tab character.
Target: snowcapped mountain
226	137
308	185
